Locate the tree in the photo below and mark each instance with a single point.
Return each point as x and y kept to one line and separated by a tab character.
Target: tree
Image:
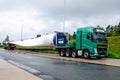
113	30
118	30
74	35
70	36
6	40
108	28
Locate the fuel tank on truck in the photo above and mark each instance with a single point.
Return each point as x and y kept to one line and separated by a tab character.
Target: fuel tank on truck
53	39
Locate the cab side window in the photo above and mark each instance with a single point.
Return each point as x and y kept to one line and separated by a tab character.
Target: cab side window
88	36
92	37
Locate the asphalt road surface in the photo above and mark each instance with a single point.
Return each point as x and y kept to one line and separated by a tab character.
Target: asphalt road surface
57	69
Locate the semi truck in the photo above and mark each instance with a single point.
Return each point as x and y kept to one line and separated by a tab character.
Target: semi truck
9	46
89	42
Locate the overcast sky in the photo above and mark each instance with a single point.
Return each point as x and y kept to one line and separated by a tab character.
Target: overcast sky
46	16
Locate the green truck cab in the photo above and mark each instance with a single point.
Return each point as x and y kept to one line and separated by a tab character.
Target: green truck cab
89	42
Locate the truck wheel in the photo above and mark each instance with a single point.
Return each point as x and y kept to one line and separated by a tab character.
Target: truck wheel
86	54
74	53
68	53
99	57
62	52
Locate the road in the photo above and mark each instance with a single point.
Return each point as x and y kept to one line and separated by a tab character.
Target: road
57	69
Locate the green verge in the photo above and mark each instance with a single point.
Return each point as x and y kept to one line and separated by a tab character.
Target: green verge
42	49
114	47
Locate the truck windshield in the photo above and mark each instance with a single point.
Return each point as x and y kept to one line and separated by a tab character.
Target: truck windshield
100	37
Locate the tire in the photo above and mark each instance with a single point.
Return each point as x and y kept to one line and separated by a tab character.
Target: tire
12	48
99	57
74	53
62	52
86	54
59	52
68	53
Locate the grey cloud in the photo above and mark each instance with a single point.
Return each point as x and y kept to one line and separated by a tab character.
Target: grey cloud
78	12
74	8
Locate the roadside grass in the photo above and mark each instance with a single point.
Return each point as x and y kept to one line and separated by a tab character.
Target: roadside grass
42	49
114	47
34	47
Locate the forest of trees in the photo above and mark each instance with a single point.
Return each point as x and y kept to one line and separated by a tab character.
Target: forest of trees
113	30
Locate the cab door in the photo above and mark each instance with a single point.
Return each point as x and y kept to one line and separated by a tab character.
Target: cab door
89	42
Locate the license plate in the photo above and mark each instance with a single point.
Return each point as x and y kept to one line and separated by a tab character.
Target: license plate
102	47
102	55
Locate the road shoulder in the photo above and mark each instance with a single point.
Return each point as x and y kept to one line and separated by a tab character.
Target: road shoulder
10	72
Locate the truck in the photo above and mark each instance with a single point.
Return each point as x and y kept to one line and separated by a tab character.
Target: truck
89	42
9	46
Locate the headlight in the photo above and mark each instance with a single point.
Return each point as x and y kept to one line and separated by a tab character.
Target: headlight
95	51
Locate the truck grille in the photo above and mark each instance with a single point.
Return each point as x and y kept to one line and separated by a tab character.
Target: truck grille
102	51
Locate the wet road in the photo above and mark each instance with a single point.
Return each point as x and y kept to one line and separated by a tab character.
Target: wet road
56	69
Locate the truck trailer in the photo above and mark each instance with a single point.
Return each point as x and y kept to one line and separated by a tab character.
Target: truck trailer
89	42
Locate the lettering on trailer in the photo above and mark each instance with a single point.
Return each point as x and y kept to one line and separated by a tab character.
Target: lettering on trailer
61	41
